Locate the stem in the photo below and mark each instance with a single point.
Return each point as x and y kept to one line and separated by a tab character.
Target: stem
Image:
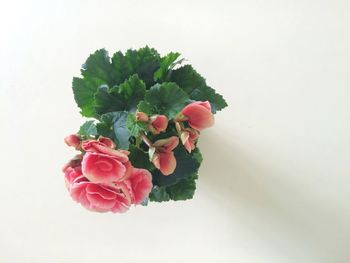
145	139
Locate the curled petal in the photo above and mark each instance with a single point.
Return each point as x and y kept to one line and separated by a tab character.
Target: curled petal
99	198
199	115
166	145
106	141
99	147
165	162
101	168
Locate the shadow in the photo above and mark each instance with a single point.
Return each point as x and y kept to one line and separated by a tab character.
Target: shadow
271	203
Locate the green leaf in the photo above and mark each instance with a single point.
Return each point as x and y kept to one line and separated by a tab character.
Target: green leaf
84	92
113	125
182	190
107	102
159	194
88	129
131	91
96	71
139	158
186	165
145	107
194	85
196	153
204	93
187	78
144	62
166	98
98	66
165	63
134	126
122	134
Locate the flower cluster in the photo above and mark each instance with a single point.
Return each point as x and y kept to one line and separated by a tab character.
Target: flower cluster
103	179
140	144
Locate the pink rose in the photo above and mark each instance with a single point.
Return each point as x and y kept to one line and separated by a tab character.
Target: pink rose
73	140
100	147
158	124
188	138
104	168
163	157
99	198
114	197
102	164
199	115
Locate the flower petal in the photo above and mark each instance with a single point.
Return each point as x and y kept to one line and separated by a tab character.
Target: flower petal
101	168
167	163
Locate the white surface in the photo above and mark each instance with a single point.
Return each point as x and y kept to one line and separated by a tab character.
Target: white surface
274	186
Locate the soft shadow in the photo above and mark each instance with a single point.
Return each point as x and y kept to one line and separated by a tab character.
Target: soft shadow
270	203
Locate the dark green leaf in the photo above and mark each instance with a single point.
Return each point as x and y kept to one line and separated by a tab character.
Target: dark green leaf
194	85
182	190
144	62
145	107
139	158
98	66
159	194
186	165
131	91
122	134
135	126
84	92
204	93
166	98
165	63
88	129
107	102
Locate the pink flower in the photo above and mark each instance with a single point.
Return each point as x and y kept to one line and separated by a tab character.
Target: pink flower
114	196
101	147
199	115
104	168
99	198
72	140
158	124
188	137
163	157
102	164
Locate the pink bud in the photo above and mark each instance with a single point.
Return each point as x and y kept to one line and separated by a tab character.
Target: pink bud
72	140
141	116
199	115
159	123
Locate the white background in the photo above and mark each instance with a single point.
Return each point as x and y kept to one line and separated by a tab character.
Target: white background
274	185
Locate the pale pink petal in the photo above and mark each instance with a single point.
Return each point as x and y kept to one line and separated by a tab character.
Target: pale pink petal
73	140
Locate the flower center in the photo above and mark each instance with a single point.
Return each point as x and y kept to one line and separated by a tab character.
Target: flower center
104	166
